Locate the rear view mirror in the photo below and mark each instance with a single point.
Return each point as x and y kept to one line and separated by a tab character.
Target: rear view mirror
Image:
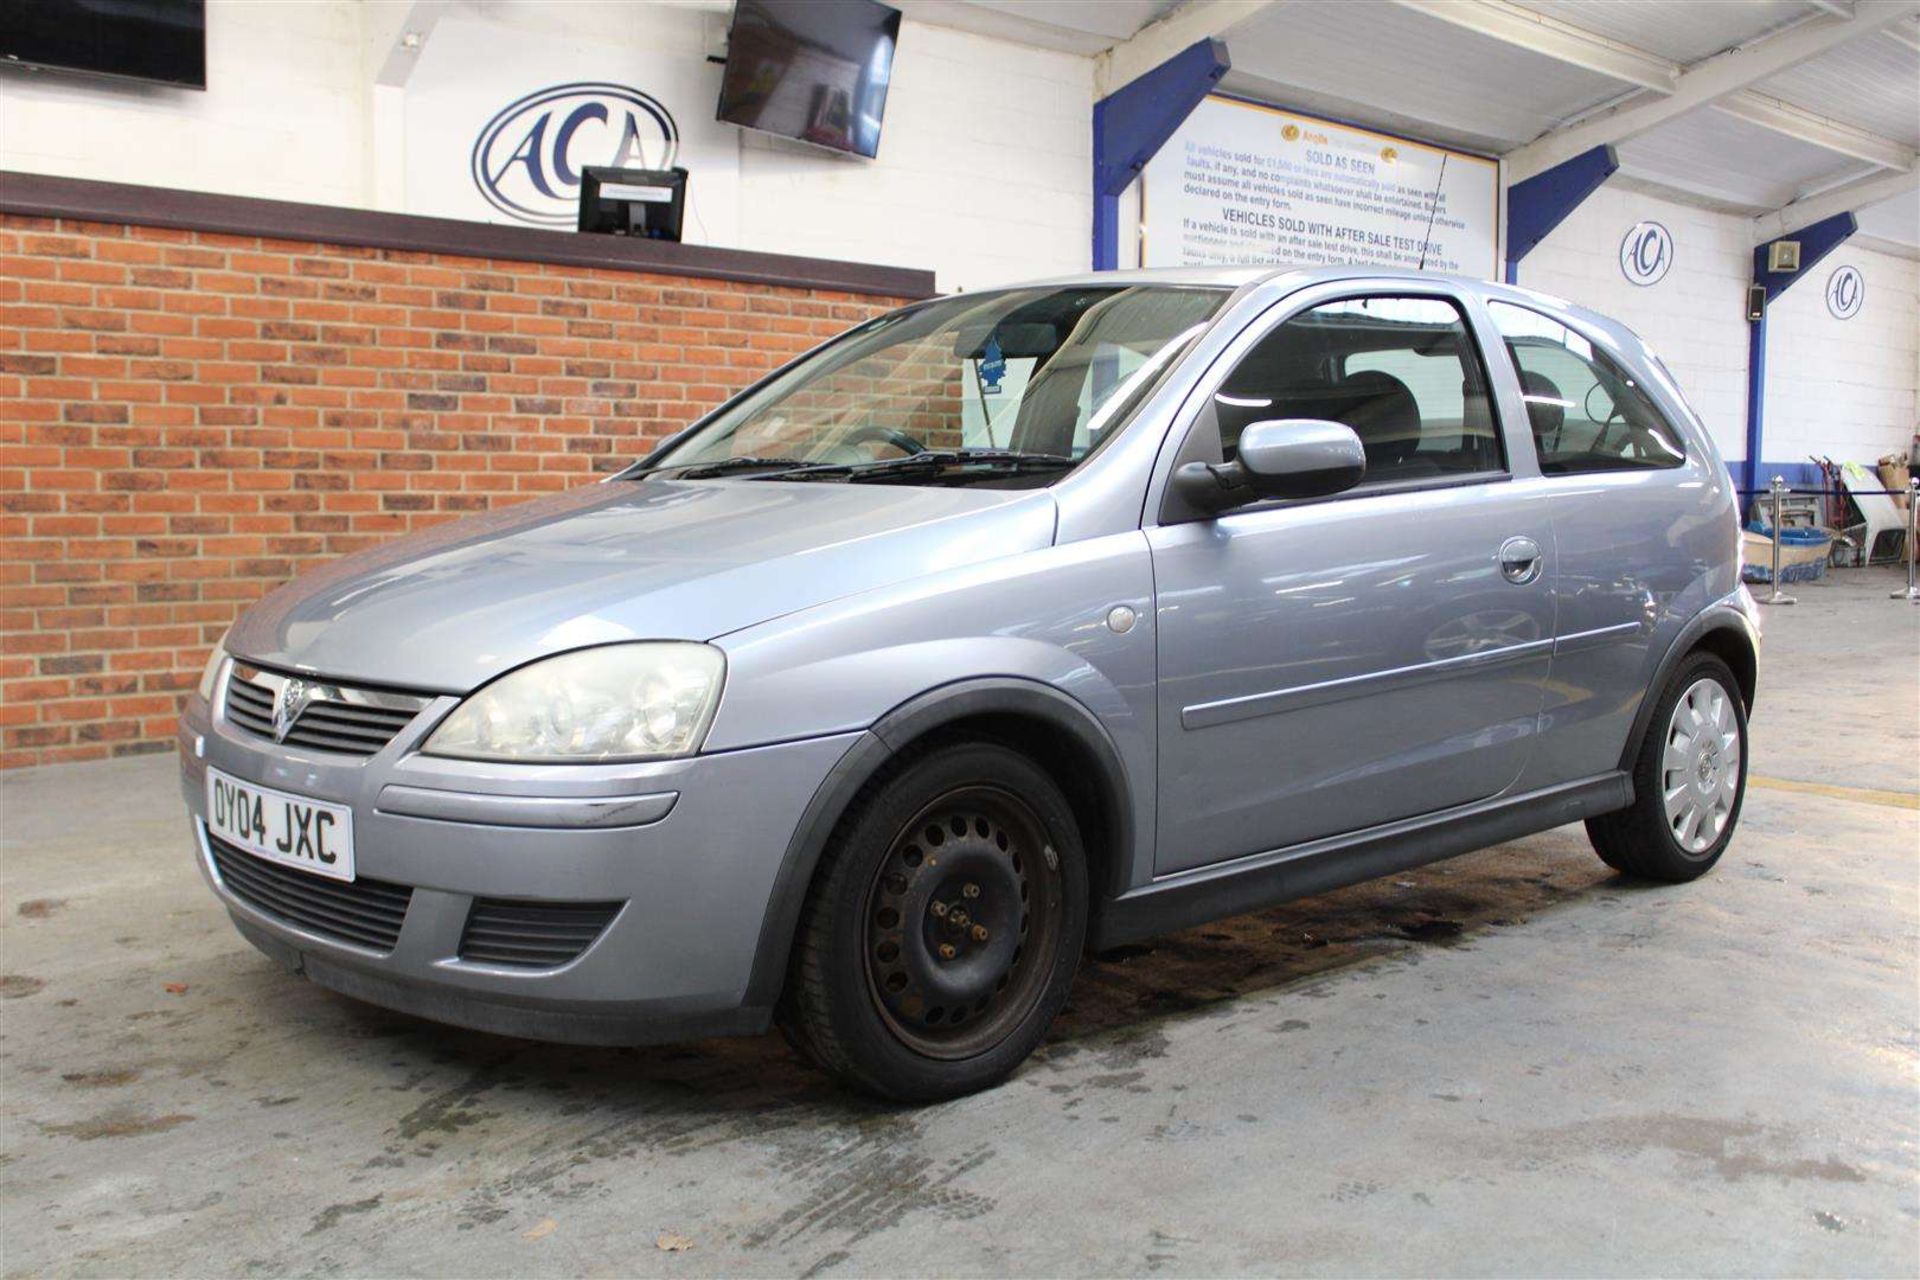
1278	458
1017	340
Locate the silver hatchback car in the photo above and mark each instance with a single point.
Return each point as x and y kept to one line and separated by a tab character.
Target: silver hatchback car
1002	627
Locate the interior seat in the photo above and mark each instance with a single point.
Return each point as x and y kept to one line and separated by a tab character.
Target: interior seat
1546	410
1378	406
1382	411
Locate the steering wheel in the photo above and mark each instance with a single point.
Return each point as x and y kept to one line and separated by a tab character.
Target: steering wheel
874	434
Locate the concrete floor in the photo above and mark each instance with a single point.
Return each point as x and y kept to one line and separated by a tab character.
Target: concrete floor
1515	1063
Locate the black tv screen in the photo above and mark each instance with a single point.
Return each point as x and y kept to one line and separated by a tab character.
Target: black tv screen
161	40
816	70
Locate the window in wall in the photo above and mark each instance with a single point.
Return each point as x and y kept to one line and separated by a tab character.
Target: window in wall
1586	411
1402	372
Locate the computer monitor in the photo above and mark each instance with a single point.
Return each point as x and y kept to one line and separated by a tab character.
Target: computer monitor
647	203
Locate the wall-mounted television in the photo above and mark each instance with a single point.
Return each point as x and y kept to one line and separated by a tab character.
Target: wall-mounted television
157	40
816	70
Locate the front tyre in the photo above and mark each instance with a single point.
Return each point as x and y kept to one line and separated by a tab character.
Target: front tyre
943	926
1688	780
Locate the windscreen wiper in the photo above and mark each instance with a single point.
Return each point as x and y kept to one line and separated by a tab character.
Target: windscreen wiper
931	460
724	466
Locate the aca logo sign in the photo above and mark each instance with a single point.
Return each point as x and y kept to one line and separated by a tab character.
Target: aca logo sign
1846	293
527	160
1646	253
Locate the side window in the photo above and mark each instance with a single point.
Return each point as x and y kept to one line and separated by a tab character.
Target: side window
1403	372
1586	411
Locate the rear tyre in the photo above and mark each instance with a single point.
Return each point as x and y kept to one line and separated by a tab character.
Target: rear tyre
943	926
1689	779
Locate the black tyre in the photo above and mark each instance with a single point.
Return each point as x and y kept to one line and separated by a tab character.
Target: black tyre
1689	779
942	928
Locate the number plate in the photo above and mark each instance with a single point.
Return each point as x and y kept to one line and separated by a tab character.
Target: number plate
291	830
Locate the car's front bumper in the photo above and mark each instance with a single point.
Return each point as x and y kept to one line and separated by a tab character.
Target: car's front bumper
691	848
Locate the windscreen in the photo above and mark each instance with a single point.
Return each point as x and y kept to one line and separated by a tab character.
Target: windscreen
1036	372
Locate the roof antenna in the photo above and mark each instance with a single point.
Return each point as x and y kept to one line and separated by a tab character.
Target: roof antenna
1433	211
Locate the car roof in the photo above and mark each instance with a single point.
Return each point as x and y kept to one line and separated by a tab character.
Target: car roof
1219	277
1237	277
1297	276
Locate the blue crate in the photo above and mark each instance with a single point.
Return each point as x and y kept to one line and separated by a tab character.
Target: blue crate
1803	554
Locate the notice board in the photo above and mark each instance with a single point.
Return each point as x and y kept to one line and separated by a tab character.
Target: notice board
1244	183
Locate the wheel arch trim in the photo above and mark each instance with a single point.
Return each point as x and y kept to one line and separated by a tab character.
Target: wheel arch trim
1722	616
883	741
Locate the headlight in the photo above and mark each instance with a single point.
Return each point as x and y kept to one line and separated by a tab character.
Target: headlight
616	702
211	676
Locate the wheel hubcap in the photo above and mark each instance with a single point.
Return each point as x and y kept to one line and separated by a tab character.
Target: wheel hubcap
1700	772
962	919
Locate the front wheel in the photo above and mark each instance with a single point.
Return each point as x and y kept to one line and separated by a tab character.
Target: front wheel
1688	780
943	927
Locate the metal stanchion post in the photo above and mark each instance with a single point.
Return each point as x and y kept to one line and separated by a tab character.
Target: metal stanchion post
1778	488
1913	553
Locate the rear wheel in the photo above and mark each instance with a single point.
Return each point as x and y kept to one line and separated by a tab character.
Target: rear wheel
1689	779
942	929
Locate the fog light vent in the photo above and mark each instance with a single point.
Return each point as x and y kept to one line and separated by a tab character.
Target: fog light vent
532	935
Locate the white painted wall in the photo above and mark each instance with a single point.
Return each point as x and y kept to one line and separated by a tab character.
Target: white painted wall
983	176
1694	318
983	173
282	115
1849	390
1845	388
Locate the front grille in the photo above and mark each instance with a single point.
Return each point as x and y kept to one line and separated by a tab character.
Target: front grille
532	935
351	721
366	912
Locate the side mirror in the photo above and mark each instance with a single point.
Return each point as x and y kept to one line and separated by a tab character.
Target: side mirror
1279	458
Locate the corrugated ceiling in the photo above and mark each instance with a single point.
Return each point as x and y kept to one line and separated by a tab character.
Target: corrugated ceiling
1396	68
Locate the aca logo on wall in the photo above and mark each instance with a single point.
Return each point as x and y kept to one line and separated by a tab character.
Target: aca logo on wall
1646	253
527	160
1846	292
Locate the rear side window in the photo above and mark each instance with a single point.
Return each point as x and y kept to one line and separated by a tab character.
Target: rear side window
1586	412
1402	372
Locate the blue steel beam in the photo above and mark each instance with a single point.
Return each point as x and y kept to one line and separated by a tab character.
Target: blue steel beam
1541	203
1816	242
1756	399
1134	122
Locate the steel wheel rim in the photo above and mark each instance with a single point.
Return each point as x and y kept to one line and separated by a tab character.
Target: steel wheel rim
1700	768
991	871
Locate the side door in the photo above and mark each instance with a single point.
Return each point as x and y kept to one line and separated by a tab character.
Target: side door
1331	664
1638	520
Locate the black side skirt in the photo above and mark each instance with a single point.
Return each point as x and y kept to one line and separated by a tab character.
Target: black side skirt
1267	879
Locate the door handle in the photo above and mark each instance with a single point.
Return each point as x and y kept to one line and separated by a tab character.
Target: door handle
1520	560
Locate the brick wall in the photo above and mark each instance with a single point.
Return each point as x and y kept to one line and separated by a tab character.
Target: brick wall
188	419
